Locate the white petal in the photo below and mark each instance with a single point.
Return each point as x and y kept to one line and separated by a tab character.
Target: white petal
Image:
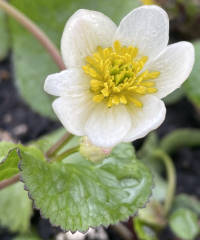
106	127
175	65
147	28
74	111
145	119
68	82
84	31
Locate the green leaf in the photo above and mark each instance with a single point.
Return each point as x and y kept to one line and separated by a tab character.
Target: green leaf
15	208
144	232
191	85
184	224
9	160
146	152
9	153
124	151
187	201
174	97
146	155
153	214
9	167
31	62
76	194
28	236
5	147
5	38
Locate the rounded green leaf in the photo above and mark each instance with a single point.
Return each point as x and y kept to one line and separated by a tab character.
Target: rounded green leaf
5	147
144	231
9	167
146	155
77	194
28	236
9	158
186	201
153	214
191	86
4	33
15	208
184	223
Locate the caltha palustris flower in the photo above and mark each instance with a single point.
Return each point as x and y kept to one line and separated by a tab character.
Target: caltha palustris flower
116	76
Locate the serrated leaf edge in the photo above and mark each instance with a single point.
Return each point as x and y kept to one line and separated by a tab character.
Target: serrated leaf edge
93	227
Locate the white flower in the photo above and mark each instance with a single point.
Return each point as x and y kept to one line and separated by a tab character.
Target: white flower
116	76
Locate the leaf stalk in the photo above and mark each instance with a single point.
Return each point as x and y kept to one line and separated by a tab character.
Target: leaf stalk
35	30
54	149
171	175
9	181
65	154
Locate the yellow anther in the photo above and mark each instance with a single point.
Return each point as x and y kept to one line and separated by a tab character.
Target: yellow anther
141	77
153	75
141	90
136	102
123	99
115	100
152	90
95	85
116	76
91	72
117	46
98	98
105	92
148	2
116	89
148	84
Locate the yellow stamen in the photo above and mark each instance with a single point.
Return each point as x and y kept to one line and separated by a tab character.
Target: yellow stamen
148	2
117	77
152	90
136	102
123	99
98	98
95	85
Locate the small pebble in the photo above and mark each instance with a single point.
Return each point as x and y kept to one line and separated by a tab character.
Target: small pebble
20	129
5	136
91	234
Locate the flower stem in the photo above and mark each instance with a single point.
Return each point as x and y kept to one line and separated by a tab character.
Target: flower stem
171	175
180	138
9	181
53	150
66	154
35	30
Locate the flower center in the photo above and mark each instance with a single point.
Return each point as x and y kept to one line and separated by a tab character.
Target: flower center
116	75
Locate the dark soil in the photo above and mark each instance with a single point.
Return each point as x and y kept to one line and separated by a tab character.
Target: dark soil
20	123
16	117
